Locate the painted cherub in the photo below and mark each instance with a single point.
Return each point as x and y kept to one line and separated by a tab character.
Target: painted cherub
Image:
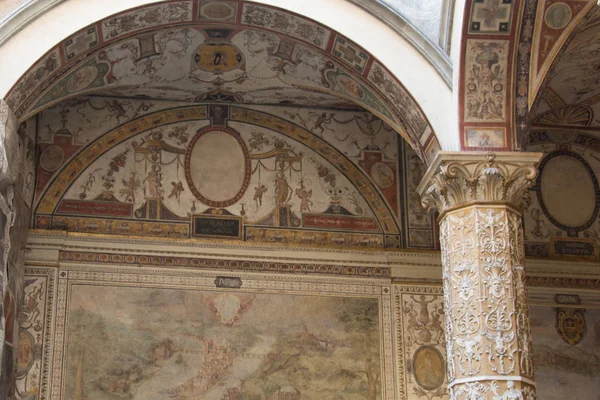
258	194
177	190
304	196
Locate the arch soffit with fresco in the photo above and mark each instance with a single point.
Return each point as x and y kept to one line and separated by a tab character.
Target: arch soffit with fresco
568	95
508	50
347	71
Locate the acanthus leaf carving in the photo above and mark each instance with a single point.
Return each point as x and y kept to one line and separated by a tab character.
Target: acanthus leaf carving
456	179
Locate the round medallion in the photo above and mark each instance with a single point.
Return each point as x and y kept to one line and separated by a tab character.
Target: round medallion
568	191
218	57
217	166
82	78
558	15
429	367
382	174
52	158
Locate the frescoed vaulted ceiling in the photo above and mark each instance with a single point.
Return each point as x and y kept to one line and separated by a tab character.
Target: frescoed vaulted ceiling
223	120
227	51
571	96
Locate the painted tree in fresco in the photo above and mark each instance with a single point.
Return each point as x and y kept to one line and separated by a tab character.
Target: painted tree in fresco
362	322
87	335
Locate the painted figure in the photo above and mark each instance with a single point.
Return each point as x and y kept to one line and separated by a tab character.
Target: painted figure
258	194
129	187
304	196
283	191
153	181
177	190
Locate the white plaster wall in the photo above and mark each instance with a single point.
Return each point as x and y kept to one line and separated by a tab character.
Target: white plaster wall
455	53
53	25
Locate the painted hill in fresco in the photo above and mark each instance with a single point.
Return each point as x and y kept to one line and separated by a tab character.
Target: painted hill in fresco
136	343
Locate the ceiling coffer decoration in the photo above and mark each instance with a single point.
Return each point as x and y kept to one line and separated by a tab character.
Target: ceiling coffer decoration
223	51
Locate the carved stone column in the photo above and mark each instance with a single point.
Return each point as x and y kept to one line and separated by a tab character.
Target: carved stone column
488	339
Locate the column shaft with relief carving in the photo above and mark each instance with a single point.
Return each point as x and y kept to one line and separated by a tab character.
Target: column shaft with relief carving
488	339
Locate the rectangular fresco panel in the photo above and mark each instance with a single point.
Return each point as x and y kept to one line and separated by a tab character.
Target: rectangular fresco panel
486	80
151	343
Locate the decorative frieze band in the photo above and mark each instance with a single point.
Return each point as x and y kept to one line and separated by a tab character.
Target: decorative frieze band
209	263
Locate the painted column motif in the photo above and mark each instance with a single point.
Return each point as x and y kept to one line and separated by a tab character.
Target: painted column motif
488	337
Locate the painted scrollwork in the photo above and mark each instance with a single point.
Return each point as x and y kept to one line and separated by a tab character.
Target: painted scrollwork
421	342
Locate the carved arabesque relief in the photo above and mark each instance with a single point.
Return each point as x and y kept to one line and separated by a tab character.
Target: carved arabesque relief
481	238
486	301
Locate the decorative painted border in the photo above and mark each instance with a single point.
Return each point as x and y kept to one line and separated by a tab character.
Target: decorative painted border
247	166
401	362
49	275
506	36
209	263
567	283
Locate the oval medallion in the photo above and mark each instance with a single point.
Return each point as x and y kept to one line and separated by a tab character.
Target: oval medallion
429	367
218	57
568	191
82	78
26	352
382	174
217	166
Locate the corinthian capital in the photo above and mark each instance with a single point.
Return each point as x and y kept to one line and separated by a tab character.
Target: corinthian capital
456	179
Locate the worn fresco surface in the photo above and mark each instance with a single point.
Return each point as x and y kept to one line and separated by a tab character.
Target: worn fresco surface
564	371
92	335
156	344
421	343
